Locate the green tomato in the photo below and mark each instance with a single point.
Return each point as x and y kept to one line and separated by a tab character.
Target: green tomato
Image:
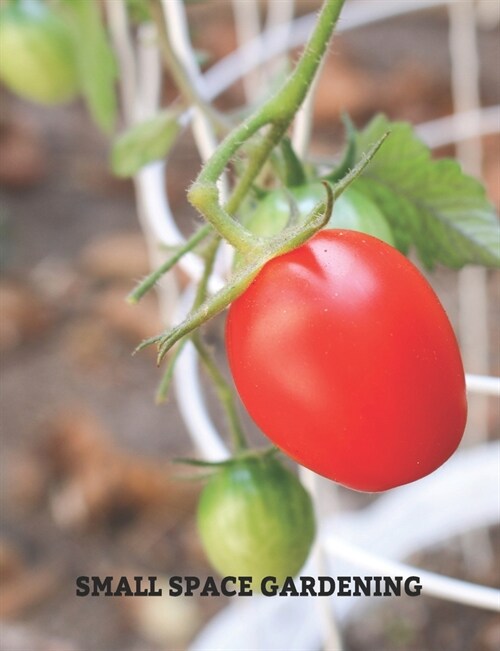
351	211
37	55
256	519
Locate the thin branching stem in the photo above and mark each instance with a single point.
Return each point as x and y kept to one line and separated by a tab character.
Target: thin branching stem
150	281
224	392
180	74
279	112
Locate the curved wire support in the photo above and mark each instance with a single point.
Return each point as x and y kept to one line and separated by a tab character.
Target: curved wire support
189	395
483	384
434	584
459	497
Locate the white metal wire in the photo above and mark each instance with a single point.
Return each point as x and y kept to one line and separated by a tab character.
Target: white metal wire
247	26
331	633
302	127
278	14
484	384
119	28
177	28
189	395
472	282
473	330
434	584
448	130
281	38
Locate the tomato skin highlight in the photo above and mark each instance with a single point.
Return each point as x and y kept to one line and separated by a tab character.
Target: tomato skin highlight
344	357
256	519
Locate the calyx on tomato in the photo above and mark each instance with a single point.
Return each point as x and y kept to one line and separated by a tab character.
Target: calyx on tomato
345	358
352	210
37	56
256	519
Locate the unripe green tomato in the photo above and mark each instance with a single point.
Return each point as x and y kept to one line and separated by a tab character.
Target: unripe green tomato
256	519
351	211
37	56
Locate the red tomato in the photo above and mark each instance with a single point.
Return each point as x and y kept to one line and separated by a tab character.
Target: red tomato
345	358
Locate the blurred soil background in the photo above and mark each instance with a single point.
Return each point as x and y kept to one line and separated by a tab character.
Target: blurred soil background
87	487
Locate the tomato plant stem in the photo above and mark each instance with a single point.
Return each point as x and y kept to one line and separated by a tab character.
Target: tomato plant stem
166	381
260	154
149	282
209	255
201	294
279	112
349	157
286	241
224	393
180	74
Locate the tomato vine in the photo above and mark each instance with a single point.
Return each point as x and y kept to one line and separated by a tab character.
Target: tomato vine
393	191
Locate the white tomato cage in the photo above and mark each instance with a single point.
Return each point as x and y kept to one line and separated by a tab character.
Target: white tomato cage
462	497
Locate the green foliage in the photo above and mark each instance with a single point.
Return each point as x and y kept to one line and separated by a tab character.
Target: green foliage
138	10
95	59
145	142
431	204
37	54
293	172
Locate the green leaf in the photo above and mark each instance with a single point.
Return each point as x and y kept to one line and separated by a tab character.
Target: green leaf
138	11
293	171
430	204
145	142
96	62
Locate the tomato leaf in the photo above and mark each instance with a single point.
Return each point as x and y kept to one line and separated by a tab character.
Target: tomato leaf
294	174
431	204
145	142
96	62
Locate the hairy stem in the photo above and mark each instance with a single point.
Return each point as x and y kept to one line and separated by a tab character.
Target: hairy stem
164	387
289	239
278	111
150	281
260	155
